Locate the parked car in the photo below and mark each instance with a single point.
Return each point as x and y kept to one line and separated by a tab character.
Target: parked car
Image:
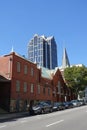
75	103
58	106
82	102
41	108
68	104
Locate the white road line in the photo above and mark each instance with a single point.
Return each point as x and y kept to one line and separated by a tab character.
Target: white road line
3	126
23	121
25	118
54	123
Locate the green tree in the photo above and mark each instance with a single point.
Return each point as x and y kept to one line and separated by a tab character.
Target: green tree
76	78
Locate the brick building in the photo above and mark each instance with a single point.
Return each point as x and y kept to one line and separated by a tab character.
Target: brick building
22	82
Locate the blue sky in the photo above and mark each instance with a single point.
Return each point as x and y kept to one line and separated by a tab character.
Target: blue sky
66	20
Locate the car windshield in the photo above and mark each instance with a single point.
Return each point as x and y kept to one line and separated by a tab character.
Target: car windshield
57	103
42	103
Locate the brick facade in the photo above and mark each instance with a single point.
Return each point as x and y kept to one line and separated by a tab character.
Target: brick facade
27	83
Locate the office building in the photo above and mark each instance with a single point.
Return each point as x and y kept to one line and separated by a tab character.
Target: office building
43	51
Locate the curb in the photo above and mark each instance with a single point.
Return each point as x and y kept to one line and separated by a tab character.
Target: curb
4	117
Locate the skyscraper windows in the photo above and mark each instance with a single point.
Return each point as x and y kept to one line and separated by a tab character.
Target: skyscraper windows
44	49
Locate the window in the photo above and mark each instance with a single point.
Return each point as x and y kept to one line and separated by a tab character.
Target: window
30	54
31	59
59	87
25	69
17	86
48	91
25	86
32	88
38	59
41	52
44	90
18	67
54	92
38	89
32	71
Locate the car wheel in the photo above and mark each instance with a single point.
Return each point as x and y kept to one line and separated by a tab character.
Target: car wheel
51	110
58	109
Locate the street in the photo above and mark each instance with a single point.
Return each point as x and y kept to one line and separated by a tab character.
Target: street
69	119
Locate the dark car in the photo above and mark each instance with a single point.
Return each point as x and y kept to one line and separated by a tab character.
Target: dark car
68	105
58	106
41	108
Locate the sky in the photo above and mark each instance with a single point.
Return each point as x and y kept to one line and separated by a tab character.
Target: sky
66	20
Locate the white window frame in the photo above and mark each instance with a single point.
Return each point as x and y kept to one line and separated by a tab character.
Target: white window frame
32	88
25	87
17	86
59	87
38	89
32	71
18	67
25	69
49	91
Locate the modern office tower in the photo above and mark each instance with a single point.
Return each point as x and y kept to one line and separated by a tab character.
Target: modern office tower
43	51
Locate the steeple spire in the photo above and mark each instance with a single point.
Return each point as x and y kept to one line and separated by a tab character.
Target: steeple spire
12	50
65	60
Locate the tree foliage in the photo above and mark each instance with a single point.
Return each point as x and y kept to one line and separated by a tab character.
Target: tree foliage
76	78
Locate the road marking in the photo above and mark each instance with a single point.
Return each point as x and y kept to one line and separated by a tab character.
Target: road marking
3	126
54	123
25	118
23	121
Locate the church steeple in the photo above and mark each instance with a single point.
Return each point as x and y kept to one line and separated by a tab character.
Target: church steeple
65	60
12	50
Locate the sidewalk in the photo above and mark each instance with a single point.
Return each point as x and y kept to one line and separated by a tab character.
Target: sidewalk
13	115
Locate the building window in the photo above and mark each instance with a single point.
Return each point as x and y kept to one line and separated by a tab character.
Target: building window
54	92
18	67
25	69
32	72
25	86
59	87
44	90
38	89
17	86
48	91
32	88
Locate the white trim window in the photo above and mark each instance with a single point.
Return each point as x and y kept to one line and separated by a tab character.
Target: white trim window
32	88
59	87
25	87
25	69
32	71
18	67
38	89
17	86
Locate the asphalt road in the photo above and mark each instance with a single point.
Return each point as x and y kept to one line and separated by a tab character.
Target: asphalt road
70	119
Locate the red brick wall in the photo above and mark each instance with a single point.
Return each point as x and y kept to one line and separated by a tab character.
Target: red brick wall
47	84
8	68
5	66
58	77
23	77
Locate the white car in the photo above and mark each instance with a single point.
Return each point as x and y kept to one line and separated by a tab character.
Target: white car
75	103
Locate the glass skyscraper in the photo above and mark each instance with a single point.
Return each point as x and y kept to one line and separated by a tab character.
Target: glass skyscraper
43	51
